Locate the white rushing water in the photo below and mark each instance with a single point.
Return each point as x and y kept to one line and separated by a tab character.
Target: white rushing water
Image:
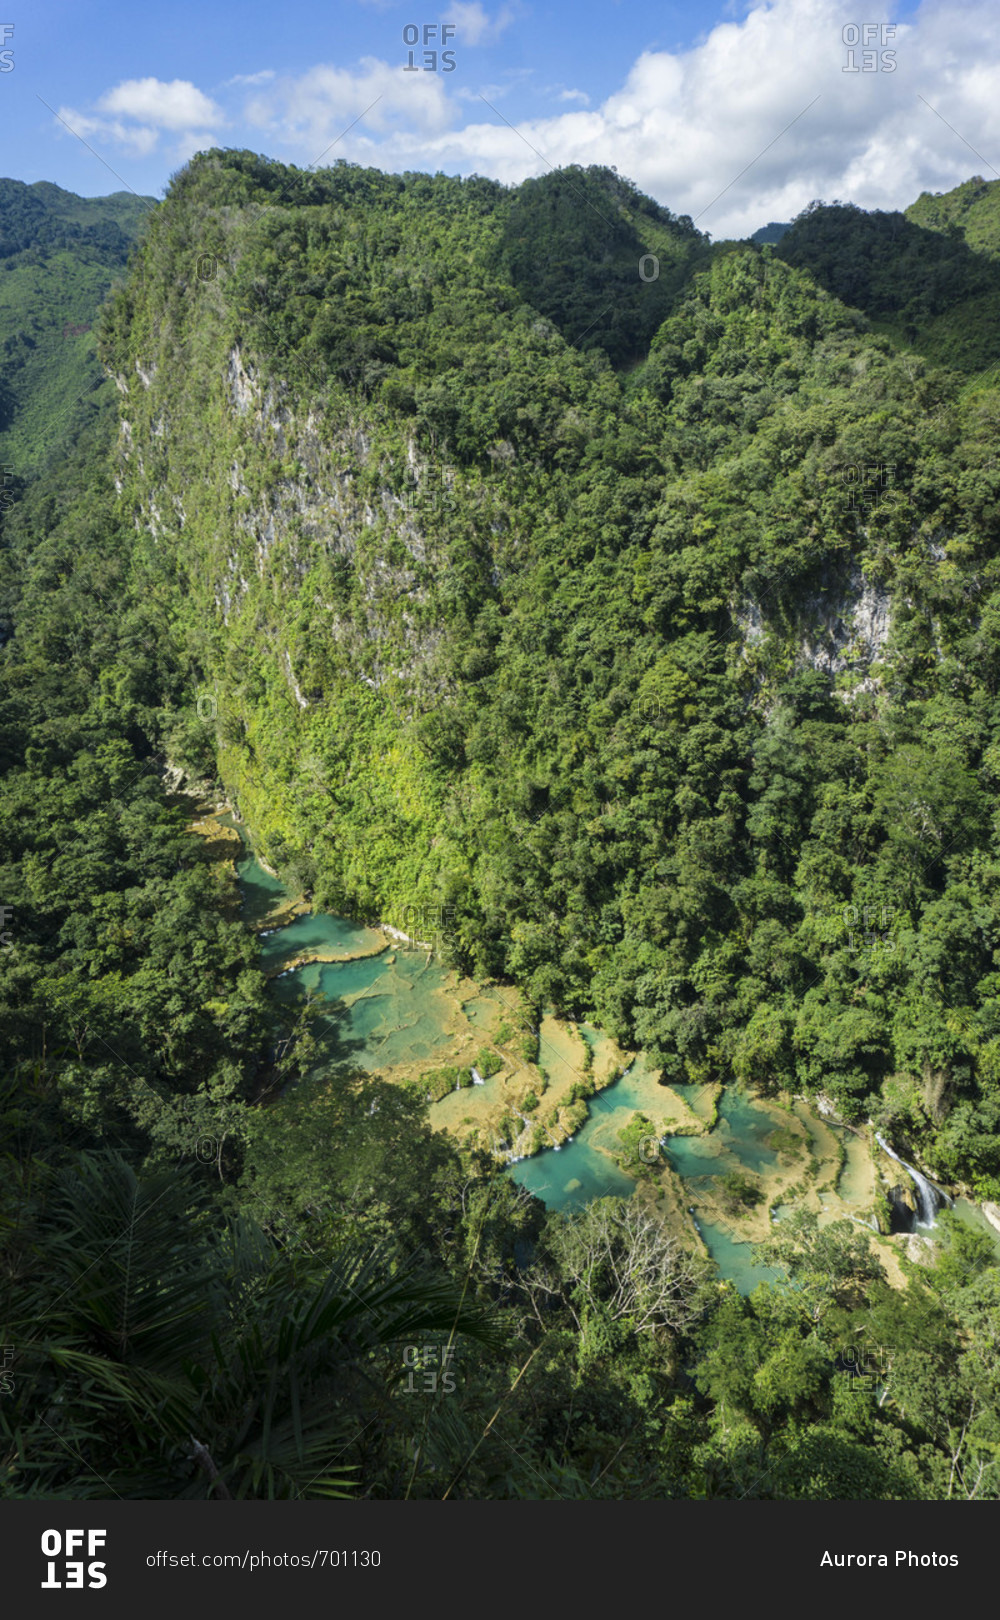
927	1195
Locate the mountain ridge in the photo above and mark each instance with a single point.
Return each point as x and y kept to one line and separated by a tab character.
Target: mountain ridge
395	690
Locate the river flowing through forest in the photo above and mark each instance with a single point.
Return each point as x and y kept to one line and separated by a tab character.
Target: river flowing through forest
397	1008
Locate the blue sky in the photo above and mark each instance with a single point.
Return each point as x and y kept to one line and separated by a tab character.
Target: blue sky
734	114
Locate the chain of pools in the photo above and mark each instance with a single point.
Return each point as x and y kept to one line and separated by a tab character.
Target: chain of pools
399	1010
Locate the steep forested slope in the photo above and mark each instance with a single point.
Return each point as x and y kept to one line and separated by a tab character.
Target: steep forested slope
677	681
972	209
666	652
59	254
930	278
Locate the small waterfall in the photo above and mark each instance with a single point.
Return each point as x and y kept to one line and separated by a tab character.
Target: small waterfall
928	1195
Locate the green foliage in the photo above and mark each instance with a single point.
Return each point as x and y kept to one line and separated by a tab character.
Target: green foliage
785	1141
599	260
738	1193
831	1266
639	1139
437	1083
575	1114
155	1328
553	631
929	277
59	255
528	1047
520	696
966	1253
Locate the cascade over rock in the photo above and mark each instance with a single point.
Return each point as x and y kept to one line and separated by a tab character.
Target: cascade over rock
928	1196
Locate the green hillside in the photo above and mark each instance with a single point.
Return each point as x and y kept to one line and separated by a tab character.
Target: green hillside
921	277
772	232
973	209
593	660
59	254
646	627
613	264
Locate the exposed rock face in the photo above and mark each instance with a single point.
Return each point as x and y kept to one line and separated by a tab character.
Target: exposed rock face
904	1206
848	633
992	1213
919	1249
300	492
843	629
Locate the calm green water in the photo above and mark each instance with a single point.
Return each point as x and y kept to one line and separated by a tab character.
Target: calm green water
386	1009
260	891
738	1142
391	1009
480	1010
973	1216
733	1257
570	1176
318	931
567	1178
852	1183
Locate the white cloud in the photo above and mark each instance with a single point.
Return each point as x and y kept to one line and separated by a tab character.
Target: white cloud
138	139
177	105
192	141
474	25
313	111
154	108
249	78
685	124
751	123
514	78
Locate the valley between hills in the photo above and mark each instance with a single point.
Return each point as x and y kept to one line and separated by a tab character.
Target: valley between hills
498	772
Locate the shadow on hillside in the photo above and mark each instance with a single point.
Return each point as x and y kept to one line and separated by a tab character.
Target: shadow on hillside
925	288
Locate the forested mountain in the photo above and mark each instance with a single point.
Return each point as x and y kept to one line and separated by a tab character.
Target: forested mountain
929	277
632	600
972	209
654	677
59	254
773	231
